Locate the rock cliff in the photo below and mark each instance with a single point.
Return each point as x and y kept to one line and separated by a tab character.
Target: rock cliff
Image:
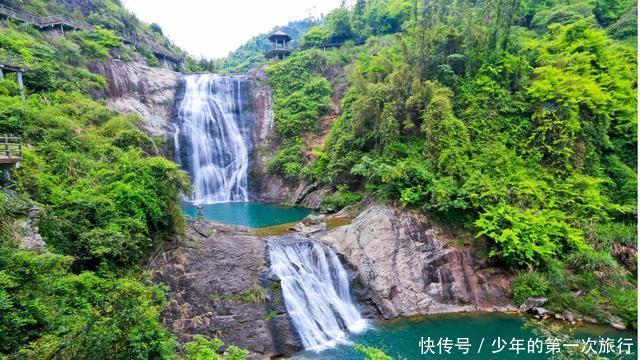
146	91
264	186
406	266
402	264
219	286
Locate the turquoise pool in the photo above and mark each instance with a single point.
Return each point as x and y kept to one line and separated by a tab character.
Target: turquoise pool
250	214
401	339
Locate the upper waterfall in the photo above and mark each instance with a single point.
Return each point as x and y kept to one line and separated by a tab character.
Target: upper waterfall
214	137
316	293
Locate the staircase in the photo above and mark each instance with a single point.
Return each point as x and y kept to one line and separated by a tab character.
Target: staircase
40	22
60	22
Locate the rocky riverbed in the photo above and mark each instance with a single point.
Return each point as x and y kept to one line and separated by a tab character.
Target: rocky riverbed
401	264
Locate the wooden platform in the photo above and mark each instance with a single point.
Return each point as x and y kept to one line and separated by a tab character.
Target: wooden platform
10	149
279	53
13	63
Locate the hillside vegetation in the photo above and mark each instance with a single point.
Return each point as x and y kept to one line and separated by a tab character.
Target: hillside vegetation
515	119
107	200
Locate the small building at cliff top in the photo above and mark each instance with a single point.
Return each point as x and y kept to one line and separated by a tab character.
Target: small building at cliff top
279	48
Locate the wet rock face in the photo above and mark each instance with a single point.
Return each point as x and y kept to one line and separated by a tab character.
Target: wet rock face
146	91
406	268
220	287
264	186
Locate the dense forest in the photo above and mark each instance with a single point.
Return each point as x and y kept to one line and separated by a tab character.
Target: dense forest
512	119
106	198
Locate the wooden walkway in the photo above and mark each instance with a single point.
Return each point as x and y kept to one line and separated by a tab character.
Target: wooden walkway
331	45
159	53
11	62
40	22
10	149
59	22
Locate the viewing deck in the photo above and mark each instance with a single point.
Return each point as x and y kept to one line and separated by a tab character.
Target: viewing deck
10	149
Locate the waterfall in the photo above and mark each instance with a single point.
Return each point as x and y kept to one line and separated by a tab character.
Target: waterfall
316	293
213	138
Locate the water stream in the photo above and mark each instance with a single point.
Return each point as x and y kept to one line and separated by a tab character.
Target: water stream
213	141
315	287
213	138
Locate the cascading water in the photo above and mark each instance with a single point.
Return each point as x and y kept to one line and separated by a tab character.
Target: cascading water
213	138
315	287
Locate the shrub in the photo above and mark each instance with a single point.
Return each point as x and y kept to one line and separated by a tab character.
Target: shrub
288	160
624	303
527	237
201	348
592	261
604	235
48	311
135	138
528	284
8	88
341	198
372	353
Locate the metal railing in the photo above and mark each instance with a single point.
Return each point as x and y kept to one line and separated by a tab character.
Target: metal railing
10	148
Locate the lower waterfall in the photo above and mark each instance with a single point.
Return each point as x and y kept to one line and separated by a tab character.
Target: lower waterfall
213	137
316	293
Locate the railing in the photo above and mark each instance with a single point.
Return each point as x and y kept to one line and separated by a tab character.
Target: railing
37	20
10	59
10	148
18	14
46	21
331	45
128	39
279	47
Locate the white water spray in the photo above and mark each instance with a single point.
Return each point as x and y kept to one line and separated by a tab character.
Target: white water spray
315	287
214	133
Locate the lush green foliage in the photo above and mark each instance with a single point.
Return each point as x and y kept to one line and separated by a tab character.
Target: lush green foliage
111	21
106	200
300	99
528	237
341	198
201	348
514	119
527	285
375	17
49	310
371	353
